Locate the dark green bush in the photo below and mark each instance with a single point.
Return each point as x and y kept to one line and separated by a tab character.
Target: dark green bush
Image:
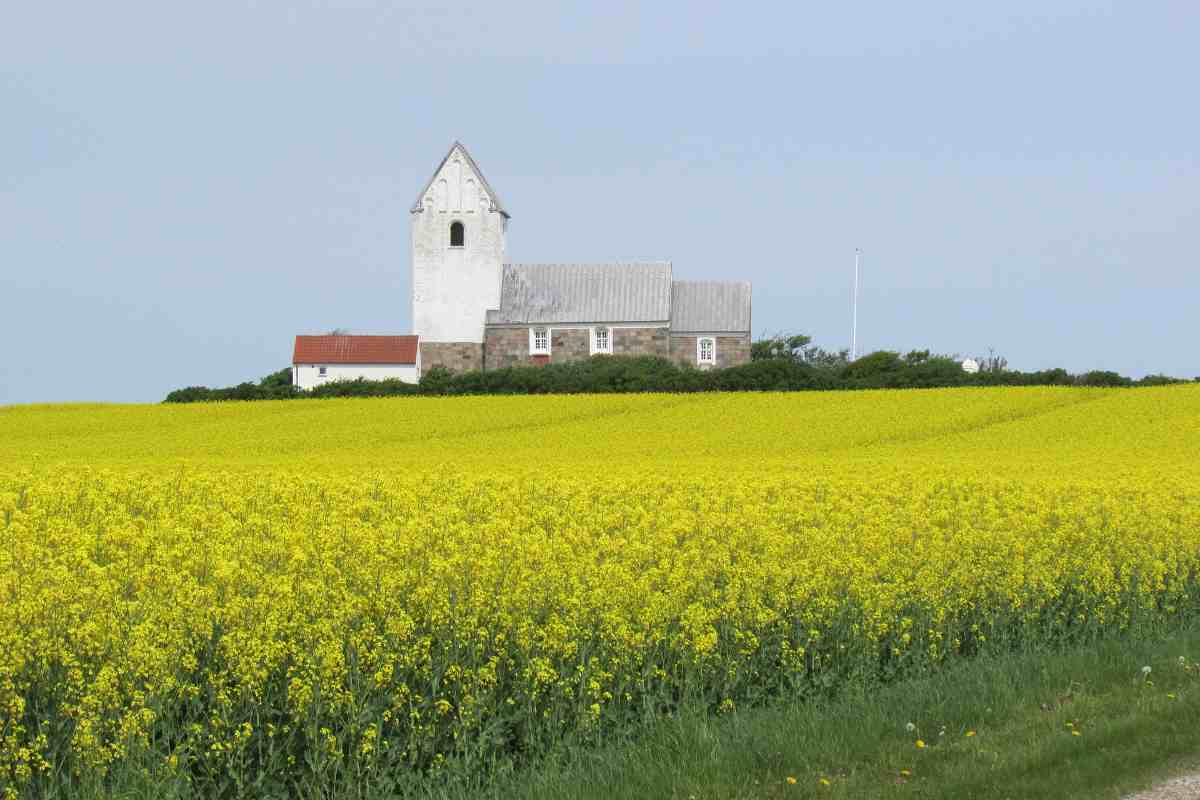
278	380
361	388
769	375
874	367
1158	380
774	371
191	394
918	369
1098	377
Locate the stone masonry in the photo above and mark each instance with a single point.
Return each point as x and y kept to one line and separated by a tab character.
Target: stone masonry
509	346
454	356
505	347
567	344
731	350
640	342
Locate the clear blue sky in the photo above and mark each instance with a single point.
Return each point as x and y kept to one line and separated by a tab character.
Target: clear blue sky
186	186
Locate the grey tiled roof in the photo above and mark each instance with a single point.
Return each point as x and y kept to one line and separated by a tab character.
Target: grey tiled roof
561	293
710	306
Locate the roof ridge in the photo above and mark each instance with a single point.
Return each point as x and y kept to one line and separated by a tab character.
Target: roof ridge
711	281
657	263
496	204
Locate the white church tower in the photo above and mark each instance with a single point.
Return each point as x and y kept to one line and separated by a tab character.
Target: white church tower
458	228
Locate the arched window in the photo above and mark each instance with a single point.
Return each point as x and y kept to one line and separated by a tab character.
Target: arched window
456	234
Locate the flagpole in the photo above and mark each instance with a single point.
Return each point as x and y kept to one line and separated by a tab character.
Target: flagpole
854	317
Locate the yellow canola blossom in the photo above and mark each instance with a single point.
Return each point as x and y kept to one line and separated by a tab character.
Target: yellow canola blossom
338	589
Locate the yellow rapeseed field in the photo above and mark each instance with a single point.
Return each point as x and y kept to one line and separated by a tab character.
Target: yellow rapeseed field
297	596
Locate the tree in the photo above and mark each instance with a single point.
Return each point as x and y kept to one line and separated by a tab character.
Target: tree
993	362
780	346
798	348
1102	377
874	366
277	379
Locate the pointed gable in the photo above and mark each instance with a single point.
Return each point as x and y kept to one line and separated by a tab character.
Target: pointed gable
460	178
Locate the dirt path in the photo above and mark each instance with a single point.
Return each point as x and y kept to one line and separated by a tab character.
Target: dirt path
1184	788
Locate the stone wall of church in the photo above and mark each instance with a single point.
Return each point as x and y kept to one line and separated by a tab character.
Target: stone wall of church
507	347
567	344
454	356
732	349
641	342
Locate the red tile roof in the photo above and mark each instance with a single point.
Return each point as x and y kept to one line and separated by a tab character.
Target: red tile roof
355	350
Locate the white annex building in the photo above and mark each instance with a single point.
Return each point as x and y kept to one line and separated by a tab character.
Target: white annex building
472	310
320	359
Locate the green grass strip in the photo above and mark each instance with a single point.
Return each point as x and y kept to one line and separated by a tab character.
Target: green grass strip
1085	723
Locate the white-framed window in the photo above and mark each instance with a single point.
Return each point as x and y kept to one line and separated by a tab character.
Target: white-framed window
706	350
320	372
601	340
539	341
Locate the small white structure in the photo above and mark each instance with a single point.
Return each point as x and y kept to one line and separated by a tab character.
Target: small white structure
970	366
323	359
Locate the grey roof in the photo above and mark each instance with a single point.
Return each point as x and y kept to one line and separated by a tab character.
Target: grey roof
496	205
560	293
710	306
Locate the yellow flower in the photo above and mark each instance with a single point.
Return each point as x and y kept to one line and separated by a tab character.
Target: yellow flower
316	542
906	773
970	733
791	780
920	744
824	781
1076	733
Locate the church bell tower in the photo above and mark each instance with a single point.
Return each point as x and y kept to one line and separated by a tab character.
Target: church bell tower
458	230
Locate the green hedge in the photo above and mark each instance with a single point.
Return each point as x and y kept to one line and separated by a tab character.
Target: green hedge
603	374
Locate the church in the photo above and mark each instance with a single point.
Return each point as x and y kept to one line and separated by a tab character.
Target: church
473	310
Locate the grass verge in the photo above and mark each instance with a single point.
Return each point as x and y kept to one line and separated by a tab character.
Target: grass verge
1082	723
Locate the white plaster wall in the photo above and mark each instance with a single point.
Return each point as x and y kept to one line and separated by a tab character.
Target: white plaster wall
452	287
306	376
